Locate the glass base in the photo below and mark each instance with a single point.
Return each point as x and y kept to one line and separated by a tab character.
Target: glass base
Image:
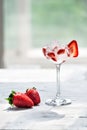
58	102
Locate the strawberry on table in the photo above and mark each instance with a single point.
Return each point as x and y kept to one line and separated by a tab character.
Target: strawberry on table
73	48
34	95
20	100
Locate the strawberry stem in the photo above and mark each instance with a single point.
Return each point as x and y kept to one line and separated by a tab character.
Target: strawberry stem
30	88
34	88
10	98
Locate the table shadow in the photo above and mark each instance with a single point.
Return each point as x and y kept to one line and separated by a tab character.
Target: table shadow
16	109
46	116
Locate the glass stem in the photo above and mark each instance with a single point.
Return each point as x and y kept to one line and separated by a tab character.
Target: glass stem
58	80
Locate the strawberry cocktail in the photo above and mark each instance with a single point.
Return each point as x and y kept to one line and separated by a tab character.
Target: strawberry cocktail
58	54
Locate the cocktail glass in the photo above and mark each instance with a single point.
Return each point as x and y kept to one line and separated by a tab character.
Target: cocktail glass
58	54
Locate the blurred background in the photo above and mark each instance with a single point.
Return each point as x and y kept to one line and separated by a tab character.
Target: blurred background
27	25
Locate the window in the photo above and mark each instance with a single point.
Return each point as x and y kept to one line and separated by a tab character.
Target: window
33	23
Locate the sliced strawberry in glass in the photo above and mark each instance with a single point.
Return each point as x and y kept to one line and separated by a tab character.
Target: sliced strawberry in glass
52	56
44	51
54	59
61	51
73	48
55	48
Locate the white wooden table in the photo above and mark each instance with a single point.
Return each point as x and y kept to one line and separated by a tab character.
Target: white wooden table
43	117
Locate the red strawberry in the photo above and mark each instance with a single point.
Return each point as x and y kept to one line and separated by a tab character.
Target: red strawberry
55	48
20	100
73	48
34	95
52	56
44	51
61	51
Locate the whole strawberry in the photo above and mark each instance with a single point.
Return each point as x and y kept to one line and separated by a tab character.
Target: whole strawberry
34	95
20	100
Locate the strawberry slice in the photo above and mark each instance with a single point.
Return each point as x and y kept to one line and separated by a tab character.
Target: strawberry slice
55	48
73	48
44	51
52	56
61	51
